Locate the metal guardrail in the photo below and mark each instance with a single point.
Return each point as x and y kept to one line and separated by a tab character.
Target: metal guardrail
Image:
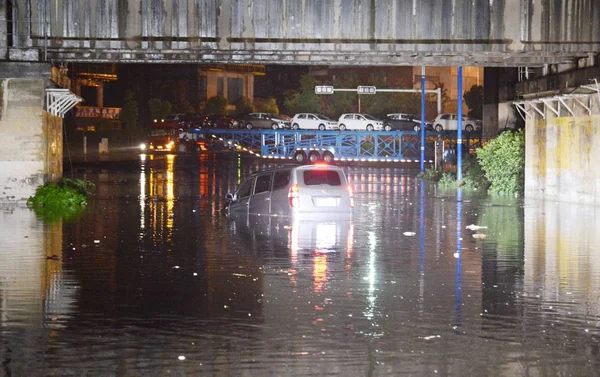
395	146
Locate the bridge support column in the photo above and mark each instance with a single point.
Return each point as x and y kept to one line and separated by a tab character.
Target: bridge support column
30	138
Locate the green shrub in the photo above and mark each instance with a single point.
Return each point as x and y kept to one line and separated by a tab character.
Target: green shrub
430	175
473	174
503	161
448	179
66	198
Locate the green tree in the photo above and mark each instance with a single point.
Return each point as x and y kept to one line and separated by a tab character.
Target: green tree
159	109
307	100
474	100
216	105
129	113
243	106
267	106
290	101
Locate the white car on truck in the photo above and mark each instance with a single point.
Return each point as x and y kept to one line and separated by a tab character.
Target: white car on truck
359	122
449	122
311	121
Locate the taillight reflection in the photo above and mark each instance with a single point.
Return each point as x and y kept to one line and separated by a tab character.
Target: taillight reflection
293	196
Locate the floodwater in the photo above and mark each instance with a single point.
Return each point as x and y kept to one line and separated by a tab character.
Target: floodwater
152	281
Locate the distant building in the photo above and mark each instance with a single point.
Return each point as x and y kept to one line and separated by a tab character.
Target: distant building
408	77
448	76
88	81
231	81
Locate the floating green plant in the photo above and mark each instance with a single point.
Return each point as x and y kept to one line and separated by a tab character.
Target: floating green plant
64	199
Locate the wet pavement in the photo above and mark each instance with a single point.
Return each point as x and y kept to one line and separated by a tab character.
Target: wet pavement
153	281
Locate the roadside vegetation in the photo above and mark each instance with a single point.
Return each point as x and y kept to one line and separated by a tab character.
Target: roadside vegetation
498	167
66	198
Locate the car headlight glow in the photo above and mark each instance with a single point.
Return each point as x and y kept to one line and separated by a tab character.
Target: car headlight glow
142	147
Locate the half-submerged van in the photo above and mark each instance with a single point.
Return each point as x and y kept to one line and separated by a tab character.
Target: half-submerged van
290	191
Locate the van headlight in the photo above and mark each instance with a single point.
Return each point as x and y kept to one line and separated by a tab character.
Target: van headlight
143	147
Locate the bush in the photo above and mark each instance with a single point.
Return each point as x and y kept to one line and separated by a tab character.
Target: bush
430	175
243	106
503	161
66	198
216	105
473	174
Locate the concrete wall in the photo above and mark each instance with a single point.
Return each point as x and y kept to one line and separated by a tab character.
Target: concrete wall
562	158
30	140
345	32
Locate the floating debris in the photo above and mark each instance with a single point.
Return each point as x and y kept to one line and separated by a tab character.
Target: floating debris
479	235
475	227
409	234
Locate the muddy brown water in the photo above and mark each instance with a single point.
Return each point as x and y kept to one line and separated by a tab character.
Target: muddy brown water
151	280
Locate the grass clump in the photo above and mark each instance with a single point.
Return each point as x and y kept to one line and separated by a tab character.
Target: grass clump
63	199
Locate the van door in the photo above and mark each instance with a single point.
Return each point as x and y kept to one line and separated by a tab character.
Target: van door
280	204
241	200
260	201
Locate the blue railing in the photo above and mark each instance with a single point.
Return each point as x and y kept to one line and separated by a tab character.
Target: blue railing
344	145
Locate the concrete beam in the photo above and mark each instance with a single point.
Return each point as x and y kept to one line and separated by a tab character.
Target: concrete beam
24	70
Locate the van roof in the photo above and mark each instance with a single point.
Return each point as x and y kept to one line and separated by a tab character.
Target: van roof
300	167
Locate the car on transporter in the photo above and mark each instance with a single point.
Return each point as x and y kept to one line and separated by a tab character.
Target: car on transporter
301	191
312	121
266	121
403	122
449	122
359	122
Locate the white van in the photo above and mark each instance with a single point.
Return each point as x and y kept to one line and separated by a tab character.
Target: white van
293	191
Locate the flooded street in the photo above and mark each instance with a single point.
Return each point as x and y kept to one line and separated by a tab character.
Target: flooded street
153	281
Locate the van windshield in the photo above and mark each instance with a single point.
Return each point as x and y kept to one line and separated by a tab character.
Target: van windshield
322	177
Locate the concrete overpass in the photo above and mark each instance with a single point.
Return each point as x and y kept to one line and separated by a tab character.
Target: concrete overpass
342	32
559	37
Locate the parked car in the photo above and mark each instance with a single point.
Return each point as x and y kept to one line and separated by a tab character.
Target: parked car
306	190
403	122
360	122
191	121
266	120
449	122
310	121
219	121
175	120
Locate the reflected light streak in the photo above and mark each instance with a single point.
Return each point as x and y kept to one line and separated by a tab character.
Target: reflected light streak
170	192
349	247
294	234
319	272
457	292
422	240
142	196
371	277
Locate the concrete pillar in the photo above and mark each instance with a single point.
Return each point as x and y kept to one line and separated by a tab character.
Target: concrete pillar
30	138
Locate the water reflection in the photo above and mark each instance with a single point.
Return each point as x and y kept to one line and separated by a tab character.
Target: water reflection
152	272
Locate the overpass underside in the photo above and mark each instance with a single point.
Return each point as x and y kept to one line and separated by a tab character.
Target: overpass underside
338	32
